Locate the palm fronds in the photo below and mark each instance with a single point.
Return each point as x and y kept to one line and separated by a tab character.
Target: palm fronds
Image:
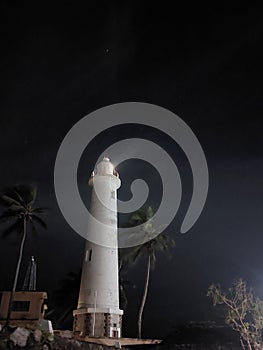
153	241
18	202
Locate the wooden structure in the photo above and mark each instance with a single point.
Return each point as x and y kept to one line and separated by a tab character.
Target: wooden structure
27	307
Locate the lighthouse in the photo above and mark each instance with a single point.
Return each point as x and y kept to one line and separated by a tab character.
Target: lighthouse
98	313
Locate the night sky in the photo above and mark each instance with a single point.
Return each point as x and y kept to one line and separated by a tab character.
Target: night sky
62	60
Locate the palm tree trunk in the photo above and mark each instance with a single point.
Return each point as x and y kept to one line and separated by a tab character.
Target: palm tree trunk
144	297
17	273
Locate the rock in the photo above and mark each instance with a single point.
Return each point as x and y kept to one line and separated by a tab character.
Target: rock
19	336
117	345
37	335
66	334
45	325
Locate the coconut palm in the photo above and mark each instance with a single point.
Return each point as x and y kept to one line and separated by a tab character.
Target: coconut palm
18	203
161	242
64	300
123	282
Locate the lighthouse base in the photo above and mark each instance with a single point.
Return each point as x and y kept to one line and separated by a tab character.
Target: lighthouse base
102	322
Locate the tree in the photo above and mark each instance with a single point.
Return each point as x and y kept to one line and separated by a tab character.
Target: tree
64	300
18	203
161	242
123	282
244	312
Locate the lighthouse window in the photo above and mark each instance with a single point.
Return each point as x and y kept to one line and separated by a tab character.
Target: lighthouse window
113	195
90	254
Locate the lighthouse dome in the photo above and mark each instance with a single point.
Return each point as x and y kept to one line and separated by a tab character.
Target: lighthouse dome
105	167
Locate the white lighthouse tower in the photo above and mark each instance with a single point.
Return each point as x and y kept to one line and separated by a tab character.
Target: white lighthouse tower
98	312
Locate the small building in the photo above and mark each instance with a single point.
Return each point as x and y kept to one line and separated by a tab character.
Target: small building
27	307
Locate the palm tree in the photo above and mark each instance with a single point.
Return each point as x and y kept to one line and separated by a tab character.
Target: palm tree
161	242
18	204
64	300
123	282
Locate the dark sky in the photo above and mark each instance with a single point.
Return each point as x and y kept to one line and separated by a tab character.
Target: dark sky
63	60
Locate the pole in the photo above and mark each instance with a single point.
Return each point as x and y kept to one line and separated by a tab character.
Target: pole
94	313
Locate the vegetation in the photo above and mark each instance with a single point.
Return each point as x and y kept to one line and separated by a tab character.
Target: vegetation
202	335
161	242
19	212
243	312
123	283
64	300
